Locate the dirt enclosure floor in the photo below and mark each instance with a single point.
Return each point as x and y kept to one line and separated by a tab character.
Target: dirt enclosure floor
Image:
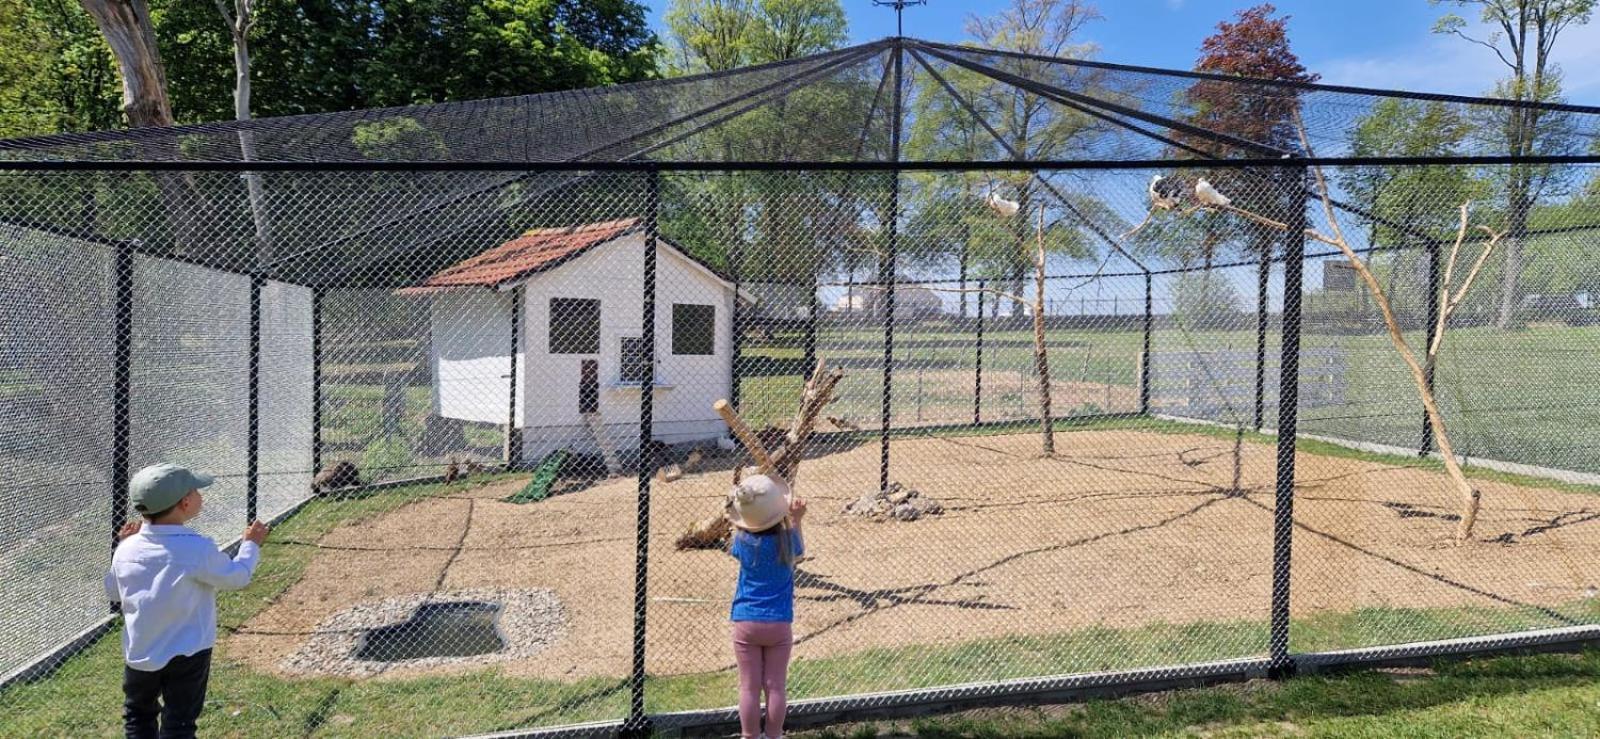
1122	529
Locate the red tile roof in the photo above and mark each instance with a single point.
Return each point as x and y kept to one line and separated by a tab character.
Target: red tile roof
528	254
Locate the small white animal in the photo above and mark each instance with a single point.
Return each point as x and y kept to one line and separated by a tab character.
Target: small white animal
1165	193
1209	195
1001	205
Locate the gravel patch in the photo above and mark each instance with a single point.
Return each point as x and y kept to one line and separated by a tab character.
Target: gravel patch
530	621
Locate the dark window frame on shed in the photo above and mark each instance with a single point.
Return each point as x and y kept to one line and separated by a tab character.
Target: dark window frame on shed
571	332
630	364
696	323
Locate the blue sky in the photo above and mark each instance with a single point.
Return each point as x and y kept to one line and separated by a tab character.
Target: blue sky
1371	43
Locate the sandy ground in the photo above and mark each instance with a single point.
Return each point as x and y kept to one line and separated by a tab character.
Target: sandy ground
1121	529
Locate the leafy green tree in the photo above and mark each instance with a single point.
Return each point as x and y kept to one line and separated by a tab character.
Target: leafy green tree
1523	35
719	35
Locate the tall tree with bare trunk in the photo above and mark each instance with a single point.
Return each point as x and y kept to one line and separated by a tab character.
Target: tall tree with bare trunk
1522	34
132	38
1451	295
240	15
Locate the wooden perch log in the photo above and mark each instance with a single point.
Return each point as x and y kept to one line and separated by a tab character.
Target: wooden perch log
785	461
744	434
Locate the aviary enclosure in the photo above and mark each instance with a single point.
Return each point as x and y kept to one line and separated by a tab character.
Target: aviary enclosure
1137	376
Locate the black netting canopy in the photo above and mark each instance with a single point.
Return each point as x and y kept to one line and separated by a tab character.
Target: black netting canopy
474	167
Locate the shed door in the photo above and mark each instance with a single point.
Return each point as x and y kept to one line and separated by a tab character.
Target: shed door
589	387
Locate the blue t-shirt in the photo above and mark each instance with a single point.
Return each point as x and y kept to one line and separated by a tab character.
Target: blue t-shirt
766	585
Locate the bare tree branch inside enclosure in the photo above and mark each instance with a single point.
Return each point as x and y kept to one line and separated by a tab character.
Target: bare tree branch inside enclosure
1450	297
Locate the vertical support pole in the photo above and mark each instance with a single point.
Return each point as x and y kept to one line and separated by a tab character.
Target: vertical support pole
886	275
121	388
316	380
1294	258
1263	275
1149	324
252	465
977	372
1426	445
736	363
811	326
638	724
513	436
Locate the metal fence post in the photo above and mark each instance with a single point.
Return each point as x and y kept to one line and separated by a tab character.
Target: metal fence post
638	723
977	372
1281	664
736	362
316	380
121	390
886	277
252	465
1426	444
1263	275
1149	322
513	439
811	327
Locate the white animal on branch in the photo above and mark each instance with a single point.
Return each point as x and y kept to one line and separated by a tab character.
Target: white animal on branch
1208	195
1165	193
1002	206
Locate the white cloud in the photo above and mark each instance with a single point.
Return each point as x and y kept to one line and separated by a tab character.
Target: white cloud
1449	64
1175	4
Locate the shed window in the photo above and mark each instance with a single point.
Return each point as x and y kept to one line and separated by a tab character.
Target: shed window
632	364
574	326
693	328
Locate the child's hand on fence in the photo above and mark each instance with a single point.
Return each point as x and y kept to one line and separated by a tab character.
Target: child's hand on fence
256	532
797	509
128	529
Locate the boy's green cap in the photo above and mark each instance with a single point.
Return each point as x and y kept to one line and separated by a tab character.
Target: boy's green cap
160	486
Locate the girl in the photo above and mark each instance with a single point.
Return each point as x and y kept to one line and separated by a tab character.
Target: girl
766	541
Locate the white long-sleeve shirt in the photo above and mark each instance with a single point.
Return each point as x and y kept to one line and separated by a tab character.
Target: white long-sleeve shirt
167	578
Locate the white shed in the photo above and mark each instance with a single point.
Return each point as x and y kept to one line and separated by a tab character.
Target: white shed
580	297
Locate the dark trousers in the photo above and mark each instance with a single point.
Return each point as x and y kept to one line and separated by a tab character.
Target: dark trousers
175	693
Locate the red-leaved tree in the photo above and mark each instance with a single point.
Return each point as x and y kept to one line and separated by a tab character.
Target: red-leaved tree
1254	46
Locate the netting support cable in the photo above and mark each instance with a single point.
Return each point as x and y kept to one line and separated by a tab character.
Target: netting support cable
1095	108
1282	665
513	436
638	723
1016	155
1263	278
1144	355
1103	110
887	271
252	465
316	380
755	99
846	56
121	390
1426	444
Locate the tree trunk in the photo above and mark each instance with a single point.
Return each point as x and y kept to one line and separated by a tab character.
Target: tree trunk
128	31
1041	358
239	21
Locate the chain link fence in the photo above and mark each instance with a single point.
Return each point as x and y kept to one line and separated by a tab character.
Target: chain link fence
1096	428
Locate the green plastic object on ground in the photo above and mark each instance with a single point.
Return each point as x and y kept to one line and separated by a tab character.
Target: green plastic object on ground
544	476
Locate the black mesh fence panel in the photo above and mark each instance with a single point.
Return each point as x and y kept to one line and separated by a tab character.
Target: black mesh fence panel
56	328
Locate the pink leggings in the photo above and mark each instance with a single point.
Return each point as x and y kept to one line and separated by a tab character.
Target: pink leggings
762	651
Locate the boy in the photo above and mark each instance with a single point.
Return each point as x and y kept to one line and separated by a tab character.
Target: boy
166	576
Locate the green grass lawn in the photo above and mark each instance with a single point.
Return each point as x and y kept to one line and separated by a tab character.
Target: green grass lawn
1514	696
1521	396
